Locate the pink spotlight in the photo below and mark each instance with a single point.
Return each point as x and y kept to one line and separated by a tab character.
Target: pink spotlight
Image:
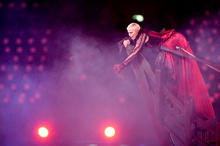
31	100
197	39
26	86
1	86
30	58
28	68
19	49
3	67
6	100
41	67
5	41
44	40
188	31
15	58
10	77
30	40
18	41
13	86
7	49
83	77
210	40
33	50
37	95
109	132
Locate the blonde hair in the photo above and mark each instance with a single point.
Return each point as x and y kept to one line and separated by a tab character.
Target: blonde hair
134	26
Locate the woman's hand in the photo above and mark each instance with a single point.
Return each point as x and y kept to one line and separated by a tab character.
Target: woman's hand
126	43
118	68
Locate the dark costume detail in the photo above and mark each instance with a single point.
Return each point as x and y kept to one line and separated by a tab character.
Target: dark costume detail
146	82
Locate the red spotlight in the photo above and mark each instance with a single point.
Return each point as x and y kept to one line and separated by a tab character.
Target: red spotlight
216	21
205	22
192	22
35	5
1	4
48	31
23	5
43	132
11	5
109	132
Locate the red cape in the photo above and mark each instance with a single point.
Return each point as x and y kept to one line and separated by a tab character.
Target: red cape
190	80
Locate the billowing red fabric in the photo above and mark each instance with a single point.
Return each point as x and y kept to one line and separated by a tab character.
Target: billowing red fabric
190	80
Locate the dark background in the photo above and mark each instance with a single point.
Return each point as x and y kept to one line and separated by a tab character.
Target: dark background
109	14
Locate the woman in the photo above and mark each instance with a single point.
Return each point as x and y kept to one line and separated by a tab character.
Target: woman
144	75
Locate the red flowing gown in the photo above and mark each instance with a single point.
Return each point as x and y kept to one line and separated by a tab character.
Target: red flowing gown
188	80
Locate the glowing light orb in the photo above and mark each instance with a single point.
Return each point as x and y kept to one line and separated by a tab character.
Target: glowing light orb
139	18
109	132
43	132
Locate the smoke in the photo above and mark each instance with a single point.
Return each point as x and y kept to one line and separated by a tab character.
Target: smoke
86	92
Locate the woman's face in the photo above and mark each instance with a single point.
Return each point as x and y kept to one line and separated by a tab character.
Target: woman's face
132	33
